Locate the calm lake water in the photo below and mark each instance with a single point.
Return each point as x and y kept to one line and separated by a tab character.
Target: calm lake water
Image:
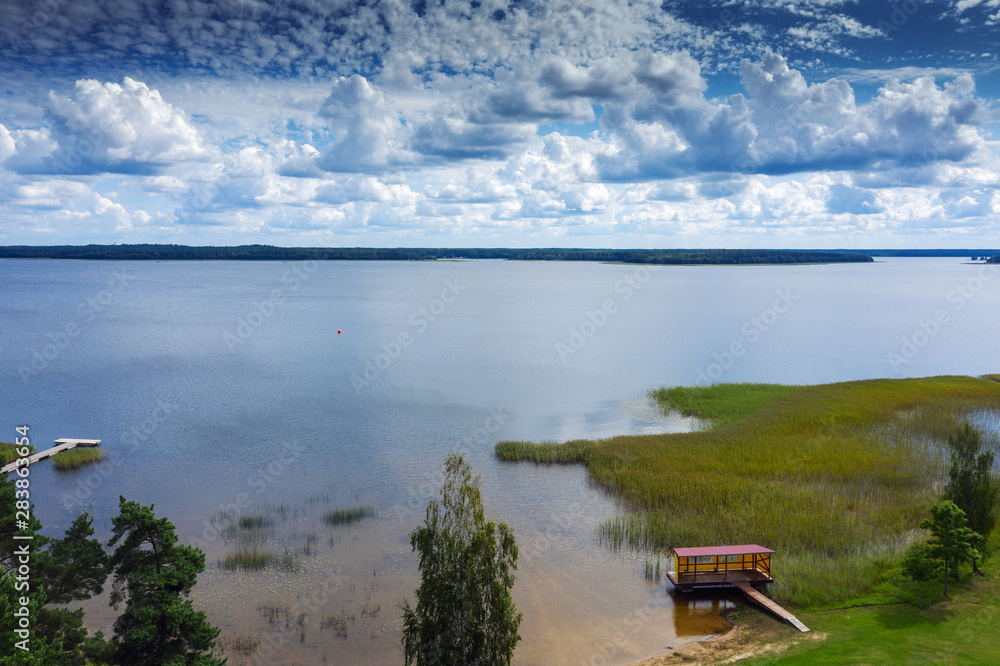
227	386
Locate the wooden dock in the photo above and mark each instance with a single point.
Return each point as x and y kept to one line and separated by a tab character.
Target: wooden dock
770	605
60	445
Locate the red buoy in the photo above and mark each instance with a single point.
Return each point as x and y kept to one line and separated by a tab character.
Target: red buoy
338	331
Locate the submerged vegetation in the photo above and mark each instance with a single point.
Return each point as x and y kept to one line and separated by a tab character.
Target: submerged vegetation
835	478
77	457
348	515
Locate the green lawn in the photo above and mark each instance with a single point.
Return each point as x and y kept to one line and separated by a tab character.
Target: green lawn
964	629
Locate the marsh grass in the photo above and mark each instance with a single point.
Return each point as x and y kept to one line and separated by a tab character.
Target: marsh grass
576	451
254	522
244	645
77	457
339	622
255	559
348	515
248	529
272	610
719	404
8	452
834	477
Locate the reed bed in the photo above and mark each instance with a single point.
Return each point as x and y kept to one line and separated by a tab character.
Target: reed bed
77	457
255	559
248	529
8	452
348	515
835	477
577	451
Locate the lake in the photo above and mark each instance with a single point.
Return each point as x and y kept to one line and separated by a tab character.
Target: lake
290	389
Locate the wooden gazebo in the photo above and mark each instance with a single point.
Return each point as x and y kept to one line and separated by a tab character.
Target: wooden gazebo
720	566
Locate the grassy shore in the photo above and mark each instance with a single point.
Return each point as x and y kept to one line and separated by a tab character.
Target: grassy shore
8	453
834	477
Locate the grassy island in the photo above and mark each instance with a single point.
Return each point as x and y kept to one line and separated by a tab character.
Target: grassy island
77	457
834	477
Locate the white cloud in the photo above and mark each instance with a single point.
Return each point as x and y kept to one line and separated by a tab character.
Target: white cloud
125	128
369	134
411	121
7	147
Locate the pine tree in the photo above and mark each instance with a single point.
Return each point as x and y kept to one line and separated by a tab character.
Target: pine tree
72	568
465	614
154	575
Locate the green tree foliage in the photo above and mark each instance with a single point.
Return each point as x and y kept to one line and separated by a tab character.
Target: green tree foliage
154	575
919	564
971	485
951	542
464	614
76	566
72	568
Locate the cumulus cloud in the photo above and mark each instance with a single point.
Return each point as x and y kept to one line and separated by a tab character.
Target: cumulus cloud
785	124
479	117
369	135
108	127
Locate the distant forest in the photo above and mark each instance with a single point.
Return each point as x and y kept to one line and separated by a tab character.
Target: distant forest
271	253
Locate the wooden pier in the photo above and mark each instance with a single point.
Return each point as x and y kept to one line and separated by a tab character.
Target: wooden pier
60	445
770	605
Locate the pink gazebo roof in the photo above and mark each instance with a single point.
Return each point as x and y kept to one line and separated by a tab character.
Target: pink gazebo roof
746	549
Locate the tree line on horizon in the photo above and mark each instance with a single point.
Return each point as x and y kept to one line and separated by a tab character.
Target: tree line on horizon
156	252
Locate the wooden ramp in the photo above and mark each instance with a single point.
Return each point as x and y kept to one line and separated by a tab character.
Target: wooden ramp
770	605
60	445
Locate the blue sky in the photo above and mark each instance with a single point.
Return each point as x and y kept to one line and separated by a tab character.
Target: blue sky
590	123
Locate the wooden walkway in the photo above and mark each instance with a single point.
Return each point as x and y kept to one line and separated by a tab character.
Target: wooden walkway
770	605
60	445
